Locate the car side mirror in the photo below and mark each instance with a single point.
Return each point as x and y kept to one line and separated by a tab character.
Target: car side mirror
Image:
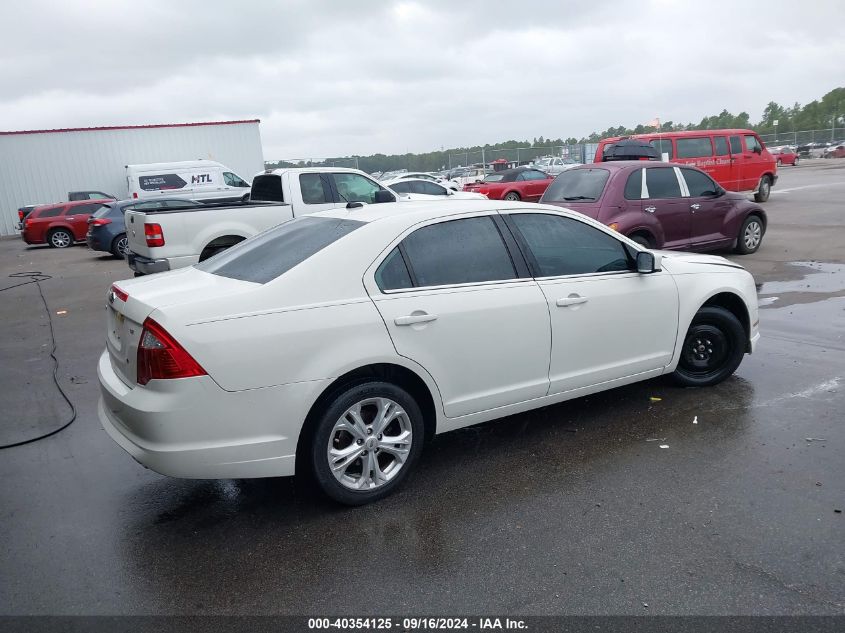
647	262
383	195
758	150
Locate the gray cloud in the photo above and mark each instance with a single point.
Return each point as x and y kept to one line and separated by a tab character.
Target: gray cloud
331	78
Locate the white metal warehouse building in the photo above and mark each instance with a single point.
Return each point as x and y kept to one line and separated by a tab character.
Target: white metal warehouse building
42	166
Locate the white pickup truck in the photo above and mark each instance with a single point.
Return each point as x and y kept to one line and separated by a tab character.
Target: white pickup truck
164	239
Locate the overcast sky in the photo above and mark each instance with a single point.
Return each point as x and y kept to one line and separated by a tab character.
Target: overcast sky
344	77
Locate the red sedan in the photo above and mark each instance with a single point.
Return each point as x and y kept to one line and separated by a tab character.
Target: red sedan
60	224
522	183
784	155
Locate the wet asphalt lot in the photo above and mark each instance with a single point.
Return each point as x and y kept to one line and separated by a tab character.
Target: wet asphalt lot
566	510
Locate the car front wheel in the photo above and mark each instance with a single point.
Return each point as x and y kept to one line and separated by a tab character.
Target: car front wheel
712	349
366	441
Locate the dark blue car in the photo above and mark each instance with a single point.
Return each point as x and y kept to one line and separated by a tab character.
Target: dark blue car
107	230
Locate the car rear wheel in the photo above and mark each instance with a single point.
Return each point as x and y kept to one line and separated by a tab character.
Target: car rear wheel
512	196
712	349
779	162
750	235
60	238
763	189
366	441
795	162
120	246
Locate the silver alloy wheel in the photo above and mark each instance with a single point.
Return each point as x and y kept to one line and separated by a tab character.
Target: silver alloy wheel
123	246
60	239
752	235
764	187
369	444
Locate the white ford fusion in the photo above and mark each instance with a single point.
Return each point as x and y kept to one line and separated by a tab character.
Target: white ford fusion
336	344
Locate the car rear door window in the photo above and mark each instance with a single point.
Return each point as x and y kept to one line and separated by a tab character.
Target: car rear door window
82	209
634	185
736	145
662	183
463	251
315	190
272	253
721	144
49	213
393	273
699	183
560	245
663	146
401	187
694	147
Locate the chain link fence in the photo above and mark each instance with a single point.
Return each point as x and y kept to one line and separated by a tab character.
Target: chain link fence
803	137
516	156
312	162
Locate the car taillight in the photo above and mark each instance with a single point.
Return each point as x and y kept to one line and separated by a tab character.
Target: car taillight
27	223
120	293
134	194
20	215
154	234
98	221
160	357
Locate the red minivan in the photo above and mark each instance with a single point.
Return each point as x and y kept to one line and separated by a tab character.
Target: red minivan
736	159
60	224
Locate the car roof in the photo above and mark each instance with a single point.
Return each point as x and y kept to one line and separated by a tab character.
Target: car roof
413	211
682	133
335	170
73	203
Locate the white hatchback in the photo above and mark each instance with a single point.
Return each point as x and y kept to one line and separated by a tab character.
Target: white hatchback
336	344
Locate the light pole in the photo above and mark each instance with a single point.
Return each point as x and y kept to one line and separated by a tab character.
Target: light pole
776	131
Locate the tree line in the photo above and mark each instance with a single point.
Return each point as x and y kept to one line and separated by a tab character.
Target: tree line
825	113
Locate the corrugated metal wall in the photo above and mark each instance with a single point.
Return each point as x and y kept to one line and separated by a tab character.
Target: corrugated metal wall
42	167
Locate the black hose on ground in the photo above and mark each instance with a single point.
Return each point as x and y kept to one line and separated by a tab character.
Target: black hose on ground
36	277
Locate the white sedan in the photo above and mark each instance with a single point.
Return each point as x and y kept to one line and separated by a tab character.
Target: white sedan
334	345
420	189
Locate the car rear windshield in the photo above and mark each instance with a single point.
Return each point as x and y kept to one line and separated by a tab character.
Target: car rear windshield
494	177
272	253
267	188
576	185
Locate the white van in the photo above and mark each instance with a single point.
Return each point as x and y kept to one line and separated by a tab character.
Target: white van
190	179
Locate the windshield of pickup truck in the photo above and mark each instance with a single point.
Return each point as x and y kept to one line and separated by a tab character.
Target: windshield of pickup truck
272	253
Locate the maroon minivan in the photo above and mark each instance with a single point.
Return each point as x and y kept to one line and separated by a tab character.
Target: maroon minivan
661	205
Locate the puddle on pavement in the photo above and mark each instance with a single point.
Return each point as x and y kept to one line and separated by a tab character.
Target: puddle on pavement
820	281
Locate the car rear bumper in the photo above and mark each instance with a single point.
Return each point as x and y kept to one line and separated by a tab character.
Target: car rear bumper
147	266
192	428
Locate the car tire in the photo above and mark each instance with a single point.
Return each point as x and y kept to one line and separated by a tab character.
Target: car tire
795	162
750	235
60	238
355	482
712	349
512	196
763	189
120	246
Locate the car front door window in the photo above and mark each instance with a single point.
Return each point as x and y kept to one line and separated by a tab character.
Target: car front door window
608	321
355	188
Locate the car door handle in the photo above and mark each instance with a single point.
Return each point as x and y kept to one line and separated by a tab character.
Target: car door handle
650	209
571	301
413	319
695	207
